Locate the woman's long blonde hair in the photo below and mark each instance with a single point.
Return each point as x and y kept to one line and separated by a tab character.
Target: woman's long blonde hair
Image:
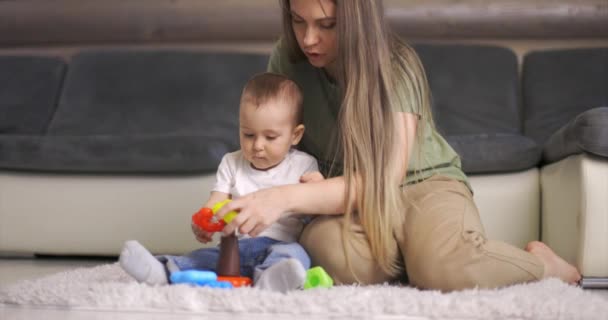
371	63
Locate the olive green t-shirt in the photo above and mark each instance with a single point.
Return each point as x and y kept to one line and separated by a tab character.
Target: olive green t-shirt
321	107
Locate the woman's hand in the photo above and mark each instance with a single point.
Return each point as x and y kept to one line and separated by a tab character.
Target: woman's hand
257	211
200	234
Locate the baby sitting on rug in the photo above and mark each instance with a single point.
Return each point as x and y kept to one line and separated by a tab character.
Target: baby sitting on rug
270	122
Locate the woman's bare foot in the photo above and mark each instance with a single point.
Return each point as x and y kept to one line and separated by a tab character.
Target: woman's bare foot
555	266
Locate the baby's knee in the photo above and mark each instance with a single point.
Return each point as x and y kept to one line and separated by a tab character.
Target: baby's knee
291	250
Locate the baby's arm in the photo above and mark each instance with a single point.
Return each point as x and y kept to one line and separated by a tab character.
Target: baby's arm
200	234
220	192
216	197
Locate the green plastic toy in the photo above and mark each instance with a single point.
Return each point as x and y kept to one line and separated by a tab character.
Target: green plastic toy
317	278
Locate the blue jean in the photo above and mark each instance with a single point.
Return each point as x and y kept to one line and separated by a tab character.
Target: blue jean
256	255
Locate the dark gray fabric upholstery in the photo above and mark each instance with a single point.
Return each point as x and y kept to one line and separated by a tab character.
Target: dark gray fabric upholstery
559	85
474	88
587	132
154	154
495	152
29	87
141	111
475	92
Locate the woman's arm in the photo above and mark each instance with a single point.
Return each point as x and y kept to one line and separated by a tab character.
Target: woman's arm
260	209
329	194
406	127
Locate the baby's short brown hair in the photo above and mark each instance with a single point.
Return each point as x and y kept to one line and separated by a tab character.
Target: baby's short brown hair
267	86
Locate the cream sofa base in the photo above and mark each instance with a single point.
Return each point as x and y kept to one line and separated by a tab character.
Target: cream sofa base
95	214
509	205
82	214
575	212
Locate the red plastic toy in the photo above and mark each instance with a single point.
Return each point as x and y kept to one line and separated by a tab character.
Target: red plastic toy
236	281
204	219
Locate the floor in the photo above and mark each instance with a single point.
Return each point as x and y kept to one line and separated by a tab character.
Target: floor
14	269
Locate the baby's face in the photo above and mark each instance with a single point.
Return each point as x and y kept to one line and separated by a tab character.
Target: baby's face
266	132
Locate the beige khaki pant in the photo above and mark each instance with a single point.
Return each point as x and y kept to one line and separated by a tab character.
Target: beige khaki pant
442	243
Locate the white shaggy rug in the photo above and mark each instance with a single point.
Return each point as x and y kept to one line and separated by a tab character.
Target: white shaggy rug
107	287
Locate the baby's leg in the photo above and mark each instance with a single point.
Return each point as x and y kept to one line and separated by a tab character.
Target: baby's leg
200	259
139	263
283	269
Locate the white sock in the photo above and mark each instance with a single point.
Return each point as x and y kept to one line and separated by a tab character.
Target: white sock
138	262
286	275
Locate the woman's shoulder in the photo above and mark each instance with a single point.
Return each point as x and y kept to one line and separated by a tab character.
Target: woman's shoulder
278	49
402	56
279	58
281	62
410	85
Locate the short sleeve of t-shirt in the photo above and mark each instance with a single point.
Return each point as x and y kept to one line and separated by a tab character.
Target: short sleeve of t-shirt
224	178
311	165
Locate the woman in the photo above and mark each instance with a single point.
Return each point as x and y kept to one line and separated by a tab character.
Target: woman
396	199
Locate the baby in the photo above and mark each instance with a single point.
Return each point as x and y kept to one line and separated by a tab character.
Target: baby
270	122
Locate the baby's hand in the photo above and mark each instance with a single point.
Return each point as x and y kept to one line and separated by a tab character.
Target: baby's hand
201	235
314	176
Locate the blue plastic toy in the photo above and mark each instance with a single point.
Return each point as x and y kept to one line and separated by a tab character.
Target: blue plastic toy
199	278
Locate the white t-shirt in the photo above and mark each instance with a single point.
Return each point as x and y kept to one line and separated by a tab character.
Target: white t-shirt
237	177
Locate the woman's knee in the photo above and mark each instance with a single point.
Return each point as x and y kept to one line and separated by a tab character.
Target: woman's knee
455	265
427	271
323	241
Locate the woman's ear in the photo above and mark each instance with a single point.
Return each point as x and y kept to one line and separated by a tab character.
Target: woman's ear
297	134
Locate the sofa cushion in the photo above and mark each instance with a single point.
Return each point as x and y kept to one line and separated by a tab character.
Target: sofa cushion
474	88
495	152
475	94
29	87
114	154
141	111
587	132
559	85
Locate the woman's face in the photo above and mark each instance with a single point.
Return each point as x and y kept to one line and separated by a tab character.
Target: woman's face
314	24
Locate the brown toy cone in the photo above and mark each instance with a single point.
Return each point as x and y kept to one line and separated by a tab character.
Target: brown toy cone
229	263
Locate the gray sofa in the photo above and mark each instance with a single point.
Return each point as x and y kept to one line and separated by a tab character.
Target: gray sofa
115	144
565	94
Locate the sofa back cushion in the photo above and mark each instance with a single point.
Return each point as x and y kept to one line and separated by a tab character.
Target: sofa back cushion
474	88
141	111
475	94
131	92
561	84
29	87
